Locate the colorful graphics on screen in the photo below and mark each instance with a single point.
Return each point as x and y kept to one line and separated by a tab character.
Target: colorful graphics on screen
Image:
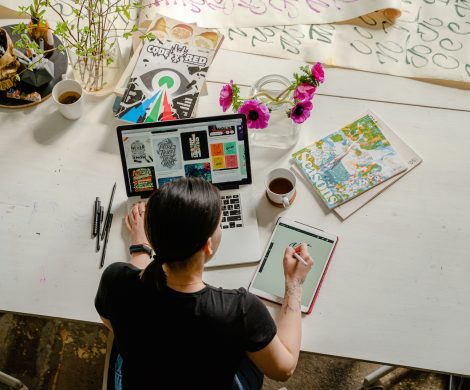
164	180
194	145
217	131
202	170
142	179
241	153
224	155
168	155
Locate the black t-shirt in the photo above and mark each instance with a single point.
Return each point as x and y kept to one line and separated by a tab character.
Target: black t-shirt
174	340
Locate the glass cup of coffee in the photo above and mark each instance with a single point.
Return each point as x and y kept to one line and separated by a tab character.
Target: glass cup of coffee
68	95
280	187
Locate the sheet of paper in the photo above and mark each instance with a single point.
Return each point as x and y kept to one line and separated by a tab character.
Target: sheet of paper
431	40
8	13
255	13
64	10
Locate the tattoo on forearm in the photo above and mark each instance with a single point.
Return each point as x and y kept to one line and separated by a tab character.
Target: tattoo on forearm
292	296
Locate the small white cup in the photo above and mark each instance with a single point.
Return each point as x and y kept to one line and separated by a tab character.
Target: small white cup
75	109
278	190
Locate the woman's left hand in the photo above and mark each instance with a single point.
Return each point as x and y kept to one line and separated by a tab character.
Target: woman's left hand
135	224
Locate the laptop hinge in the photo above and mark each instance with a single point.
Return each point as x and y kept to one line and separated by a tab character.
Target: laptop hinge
224	187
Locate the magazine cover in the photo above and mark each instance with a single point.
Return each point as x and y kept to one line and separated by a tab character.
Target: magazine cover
349	162
166	28
166	82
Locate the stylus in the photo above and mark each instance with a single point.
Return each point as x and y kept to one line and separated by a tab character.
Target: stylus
300	258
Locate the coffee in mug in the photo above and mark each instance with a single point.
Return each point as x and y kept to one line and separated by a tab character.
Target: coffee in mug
69	97
280	187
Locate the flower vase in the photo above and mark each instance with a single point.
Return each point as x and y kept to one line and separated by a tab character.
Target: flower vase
281	132
97	74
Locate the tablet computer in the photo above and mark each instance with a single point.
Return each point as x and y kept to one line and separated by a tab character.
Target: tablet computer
268	281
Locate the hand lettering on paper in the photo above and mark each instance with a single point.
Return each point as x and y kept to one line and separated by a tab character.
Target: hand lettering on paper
455	28
285	5
257	7
323	31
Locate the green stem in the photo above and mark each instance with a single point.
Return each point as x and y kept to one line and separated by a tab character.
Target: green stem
265	94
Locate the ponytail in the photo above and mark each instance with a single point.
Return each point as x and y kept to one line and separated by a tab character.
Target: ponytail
154	275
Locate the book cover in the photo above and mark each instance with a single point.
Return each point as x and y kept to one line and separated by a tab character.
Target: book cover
408	155
169	29
349	162
166	82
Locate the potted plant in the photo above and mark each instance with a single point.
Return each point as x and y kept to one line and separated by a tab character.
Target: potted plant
38	29
90	38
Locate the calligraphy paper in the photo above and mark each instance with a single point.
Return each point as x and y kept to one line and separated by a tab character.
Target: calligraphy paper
255	13
431	39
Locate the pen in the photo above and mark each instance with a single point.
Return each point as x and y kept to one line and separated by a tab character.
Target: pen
105	244
339	157
95	217
100	218
108	212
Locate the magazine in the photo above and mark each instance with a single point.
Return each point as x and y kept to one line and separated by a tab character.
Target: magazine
349	162
166	82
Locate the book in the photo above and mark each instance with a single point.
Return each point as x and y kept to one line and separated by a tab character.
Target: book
408	155
349	162
166	28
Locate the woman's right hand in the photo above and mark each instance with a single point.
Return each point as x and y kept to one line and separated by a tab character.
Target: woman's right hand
295	270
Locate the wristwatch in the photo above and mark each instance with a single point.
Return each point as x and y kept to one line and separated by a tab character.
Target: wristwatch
140	248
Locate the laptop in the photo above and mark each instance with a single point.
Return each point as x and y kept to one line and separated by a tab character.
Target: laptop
214	148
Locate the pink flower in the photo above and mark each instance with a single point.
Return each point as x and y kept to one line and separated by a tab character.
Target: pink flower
304	91
257	114
225	98
318	73
301	111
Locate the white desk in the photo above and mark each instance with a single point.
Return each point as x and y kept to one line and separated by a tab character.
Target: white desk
397	291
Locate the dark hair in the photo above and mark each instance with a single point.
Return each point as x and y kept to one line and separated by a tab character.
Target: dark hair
180	217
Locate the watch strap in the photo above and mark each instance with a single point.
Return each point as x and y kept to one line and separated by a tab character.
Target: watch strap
140	248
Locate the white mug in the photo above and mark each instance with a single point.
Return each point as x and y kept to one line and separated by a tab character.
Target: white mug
280	187
73	110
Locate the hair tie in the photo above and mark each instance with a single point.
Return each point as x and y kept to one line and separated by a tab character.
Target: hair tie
157	259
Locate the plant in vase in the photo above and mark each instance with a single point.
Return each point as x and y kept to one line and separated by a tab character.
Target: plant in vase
90	38
295	99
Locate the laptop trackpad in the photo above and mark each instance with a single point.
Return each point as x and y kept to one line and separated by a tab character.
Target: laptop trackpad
237	246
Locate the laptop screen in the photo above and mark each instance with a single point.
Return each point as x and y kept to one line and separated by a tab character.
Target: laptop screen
214	148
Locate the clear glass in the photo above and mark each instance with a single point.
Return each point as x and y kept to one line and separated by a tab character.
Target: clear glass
281	132
97	75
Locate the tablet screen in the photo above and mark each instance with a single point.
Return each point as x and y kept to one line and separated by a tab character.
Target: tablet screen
270	276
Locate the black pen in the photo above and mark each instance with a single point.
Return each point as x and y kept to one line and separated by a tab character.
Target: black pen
108	212
95	217
106	237
100	218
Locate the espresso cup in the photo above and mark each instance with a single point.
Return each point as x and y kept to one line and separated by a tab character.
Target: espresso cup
68	96
280	187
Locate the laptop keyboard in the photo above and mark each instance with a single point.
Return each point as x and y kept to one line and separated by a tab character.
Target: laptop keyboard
231	211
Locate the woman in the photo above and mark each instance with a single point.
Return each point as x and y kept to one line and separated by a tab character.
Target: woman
175	332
